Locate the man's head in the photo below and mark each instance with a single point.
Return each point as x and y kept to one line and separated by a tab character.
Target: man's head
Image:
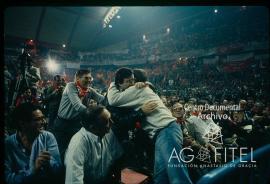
29	47
57	79
124	78
237	116
84	78
140	75
243	104
178	110
29	120
97	120
92	103
27	92
258	107
250	103
225	102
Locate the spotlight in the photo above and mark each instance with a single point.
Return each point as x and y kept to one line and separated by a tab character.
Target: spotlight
118	16
63	45
168	30
52	66
110	26
216	11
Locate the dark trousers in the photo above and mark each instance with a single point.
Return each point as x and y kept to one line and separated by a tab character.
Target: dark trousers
52	116
63	131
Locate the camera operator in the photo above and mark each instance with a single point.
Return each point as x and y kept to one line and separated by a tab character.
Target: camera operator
25	59
28	75
53	97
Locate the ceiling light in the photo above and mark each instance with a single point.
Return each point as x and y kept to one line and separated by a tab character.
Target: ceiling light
109	16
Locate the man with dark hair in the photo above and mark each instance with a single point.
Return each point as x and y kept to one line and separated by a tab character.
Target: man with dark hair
52	99
26	97
124	77
160	125
25	60
68	120
128	130
31	154
140	75
93	150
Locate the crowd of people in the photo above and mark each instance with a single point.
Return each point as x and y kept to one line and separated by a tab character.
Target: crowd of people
83	135
75	124
87	125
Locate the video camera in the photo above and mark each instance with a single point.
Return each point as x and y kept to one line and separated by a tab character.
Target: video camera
25	59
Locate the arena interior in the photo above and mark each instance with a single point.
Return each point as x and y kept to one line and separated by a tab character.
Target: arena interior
136	94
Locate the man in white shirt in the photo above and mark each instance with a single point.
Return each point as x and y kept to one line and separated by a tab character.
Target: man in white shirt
93	150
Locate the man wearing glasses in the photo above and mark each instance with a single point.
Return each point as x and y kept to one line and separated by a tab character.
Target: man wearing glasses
160	125
31	154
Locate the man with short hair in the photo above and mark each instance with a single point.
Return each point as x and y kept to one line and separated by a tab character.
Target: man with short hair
53	97
160	125
26	97
93	150
178	112
68	120
31	154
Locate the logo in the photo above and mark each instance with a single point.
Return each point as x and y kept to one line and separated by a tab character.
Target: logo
204	155
213	136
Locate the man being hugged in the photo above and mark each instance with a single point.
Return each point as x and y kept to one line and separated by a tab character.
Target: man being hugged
160	125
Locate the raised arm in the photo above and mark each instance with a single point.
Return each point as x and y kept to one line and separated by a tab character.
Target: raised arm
96	96
74	98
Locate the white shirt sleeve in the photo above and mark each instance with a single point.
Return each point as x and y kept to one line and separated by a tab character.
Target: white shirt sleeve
128	98
74	162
